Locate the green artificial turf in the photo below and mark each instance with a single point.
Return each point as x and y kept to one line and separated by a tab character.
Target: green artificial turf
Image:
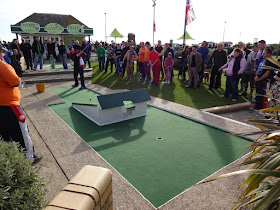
160	170
177	92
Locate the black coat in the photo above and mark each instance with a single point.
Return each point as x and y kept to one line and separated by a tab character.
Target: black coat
35	48
26	48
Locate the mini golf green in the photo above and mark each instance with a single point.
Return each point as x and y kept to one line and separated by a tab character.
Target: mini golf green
159	169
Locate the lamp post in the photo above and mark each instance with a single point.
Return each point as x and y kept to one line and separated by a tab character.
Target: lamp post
105	28
224	31
154	24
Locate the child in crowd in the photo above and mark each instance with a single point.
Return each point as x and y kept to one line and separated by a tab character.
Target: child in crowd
168	65
118	54
130	56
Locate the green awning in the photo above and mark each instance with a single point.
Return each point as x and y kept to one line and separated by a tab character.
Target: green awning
116	34
187	36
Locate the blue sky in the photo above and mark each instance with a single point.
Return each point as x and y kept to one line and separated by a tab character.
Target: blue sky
245	19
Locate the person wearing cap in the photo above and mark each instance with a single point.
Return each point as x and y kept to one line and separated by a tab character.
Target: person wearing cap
130	56
249	73
218	59
13	125
155	64
38	50
194	66
26	49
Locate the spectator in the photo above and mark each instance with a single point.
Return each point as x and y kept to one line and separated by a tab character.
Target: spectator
147	66
167	50
258	60
26	51
203	50
184	66
8	57
38	50
275	90
76	56
86	47
262	80
51	52
118	54
110	58
160	52
218	59
130	56
141	60
194	66
73	43
168	66
62	54
235	67
249	74
101	57
16	62
13	125
155	65
76	46
124	61
14	45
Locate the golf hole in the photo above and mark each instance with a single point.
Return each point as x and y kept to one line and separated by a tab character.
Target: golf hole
159	138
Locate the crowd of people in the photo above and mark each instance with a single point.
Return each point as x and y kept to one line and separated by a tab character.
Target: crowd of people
243	67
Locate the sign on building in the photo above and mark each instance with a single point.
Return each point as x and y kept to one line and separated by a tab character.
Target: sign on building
30	27
75	29
54	28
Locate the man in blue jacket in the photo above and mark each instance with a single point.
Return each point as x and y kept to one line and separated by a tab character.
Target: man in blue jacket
203	50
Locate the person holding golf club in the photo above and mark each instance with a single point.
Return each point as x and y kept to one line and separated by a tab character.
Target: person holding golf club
13	125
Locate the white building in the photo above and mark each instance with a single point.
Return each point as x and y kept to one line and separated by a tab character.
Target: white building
117	107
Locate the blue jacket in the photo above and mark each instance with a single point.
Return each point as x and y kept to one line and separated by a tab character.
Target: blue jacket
204	53
8	56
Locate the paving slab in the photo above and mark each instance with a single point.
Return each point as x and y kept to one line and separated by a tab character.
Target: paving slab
71	152
32	73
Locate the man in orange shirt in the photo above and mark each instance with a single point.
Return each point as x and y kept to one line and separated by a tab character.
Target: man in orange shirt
13	126
141	60
147	66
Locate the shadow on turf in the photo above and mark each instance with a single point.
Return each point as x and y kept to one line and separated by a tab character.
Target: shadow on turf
121	132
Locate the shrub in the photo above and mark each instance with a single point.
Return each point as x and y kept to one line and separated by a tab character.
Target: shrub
20	184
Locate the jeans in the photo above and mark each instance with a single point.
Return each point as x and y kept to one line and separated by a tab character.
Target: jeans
215	79
231	87
147	69
101	61
80	71
63	60
118	66
112	61
87	58
38	58
52	61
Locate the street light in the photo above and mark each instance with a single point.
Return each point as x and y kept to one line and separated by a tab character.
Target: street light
224	31
154	24
105	28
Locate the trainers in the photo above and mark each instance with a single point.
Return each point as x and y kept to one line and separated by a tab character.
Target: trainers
82	88
234	100
36	158
73	86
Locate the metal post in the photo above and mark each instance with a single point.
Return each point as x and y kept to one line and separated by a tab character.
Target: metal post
105	28
224	32
185	25
154	5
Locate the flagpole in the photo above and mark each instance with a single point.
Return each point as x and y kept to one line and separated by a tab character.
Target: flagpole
154	5
185	25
